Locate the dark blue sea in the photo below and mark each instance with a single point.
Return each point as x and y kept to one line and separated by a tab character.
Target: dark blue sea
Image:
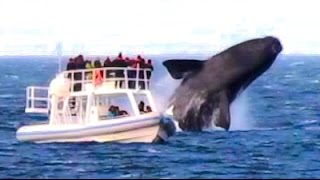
277	135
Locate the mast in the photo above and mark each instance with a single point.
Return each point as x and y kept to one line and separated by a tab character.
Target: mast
59	54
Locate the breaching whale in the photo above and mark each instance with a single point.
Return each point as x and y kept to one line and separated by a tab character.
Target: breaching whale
209	86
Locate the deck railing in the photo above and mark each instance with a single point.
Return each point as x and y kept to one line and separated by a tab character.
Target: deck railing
118	77
37	99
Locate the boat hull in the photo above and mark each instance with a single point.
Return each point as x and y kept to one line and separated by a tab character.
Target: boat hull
146	130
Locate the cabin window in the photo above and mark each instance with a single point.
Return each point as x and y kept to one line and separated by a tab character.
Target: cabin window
113	107
143	103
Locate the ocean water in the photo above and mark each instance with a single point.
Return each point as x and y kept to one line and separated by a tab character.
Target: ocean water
275	132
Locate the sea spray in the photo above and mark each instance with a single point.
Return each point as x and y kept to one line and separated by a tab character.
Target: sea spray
162	89
240	115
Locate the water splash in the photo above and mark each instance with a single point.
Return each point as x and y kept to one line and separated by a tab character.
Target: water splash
240	116
162	90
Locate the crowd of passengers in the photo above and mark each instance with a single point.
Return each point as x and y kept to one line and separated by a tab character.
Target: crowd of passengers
78	63
115	111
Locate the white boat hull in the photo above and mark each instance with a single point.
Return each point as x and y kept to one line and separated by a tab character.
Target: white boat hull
146	129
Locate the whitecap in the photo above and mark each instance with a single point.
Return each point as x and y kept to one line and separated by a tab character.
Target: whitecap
303	108
306	122
153	151
6	95
297	63
313	128
270	128
288	76
12	76
288	102
315	81
267	87
80	170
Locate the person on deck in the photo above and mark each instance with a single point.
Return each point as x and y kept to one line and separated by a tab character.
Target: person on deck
149	67
111	112
123	113
70	66
141	106
107	63
149	109
132	73
119	62
117	110
80	65
89	66
97	64
142	65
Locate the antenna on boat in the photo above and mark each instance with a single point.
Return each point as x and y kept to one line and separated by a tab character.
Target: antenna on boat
59	54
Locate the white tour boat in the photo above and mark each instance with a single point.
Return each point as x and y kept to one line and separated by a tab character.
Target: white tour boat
78	102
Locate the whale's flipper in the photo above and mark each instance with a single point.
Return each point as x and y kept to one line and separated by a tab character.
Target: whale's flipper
224	116
180	68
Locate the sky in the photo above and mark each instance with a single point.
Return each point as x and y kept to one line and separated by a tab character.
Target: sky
98	27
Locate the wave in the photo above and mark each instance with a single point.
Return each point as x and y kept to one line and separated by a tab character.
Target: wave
315	81
151	150
297	63
271	128
313	128
267	87
306	123
11	76
6	95
288	76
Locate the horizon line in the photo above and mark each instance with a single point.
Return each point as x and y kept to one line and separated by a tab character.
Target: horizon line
151	54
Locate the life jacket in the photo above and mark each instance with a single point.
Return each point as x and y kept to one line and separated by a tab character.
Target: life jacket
98	79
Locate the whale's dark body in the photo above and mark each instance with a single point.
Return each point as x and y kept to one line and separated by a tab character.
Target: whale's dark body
210	86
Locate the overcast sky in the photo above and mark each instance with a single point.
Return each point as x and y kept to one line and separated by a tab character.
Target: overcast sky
154	26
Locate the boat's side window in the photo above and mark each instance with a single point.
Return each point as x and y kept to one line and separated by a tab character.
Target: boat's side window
115	112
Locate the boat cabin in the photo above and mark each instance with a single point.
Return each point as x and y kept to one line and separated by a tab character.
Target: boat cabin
90	95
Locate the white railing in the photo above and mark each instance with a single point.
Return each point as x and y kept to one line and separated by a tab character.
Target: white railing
64	115
35	102
120	78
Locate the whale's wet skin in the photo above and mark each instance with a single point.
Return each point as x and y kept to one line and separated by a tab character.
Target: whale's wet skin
211	85
282	141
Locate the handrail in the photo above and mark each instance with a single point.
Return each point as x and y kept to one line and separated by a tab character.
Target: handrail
38	87
105	68
127	77
32	98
